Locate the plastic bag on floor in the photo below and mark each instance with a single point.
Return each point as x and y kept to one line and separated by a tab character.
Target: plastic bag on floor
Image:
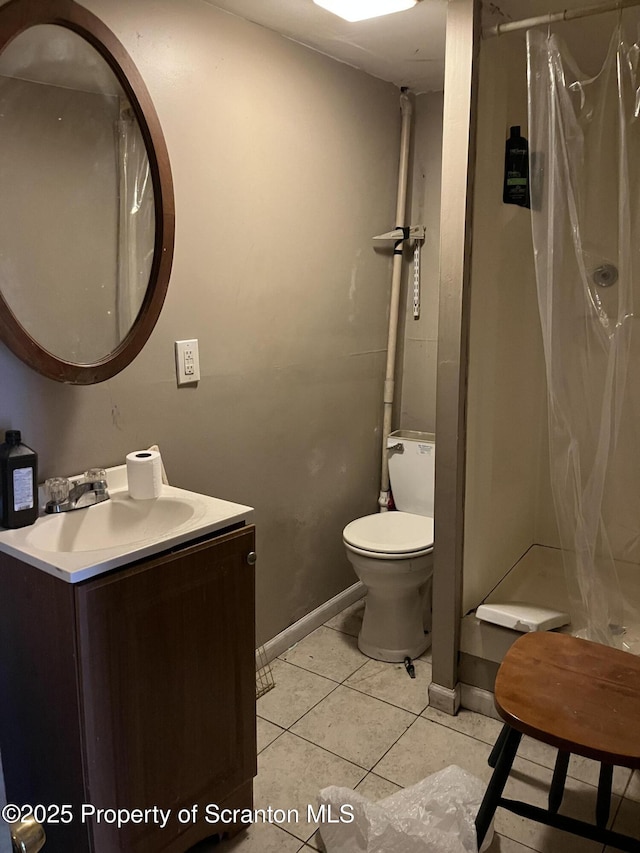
434	816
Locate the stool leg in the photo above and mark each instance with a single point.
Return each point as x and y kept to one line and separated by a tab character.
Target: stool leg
556	791
603	802
497	747
498	780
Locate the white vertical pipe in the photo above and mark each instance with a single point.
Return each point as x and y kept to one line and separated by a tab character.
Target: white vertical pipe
394	306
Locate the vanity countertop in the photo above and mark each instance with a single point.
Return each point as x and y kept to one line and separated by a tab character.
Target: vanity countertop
85	543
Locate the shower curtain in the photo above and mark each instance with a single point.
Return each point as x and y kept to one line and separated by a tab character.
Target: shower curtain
136	221
584	138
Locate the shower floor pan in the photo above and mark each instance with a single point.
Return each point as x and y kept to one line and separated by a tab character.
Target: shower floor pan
537	578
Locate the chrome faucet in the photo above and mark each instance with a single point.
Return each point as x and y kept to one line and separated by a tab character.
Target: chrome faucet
65	495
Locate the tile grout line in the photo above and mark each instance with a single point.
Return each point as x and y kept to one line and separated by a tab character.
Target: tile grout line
373	769
522	757
471	737
343	683
291	835
627	786
271	741
340	631
304	668
323	748
419	715
497	834
335	754
386	701
354	690
614	816
288	728
416	714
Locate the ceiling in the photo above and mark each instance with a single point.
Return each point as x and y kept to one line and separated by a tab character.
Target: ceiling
406	48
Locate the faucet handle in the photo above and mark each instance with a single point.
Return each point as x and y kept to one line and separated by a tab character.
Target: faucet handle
94	475
57	489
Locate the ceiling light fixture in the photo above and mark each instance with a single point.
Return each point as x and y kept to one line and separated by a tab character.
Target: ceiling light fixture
360	10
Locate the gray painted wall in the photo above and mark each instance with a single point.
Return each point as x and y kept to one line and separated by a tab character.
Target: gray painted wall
284	165
418	366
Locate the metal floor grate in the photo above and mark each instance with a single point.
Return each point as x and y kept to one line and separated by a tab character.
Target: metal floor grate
264	676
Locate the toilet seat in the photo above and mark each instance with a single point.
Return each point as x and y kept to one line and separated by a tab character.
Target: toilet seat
396	535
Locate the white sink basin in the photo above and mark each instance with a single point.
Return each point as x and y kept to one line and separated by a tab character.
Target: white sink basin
118	521
83	543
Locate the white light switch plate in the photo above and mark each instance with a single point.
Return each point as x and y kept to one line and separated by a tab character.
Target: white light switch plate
187	362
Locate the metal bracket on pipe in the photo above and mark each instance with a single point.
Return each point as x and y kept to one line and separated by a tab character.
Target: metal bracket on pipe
416	232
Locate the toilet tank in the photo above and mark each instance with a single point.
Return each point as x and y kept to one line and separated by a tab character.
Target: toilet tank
412	470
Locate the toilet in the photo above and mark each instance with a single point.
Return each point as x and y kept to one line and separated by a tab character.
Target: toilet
392	554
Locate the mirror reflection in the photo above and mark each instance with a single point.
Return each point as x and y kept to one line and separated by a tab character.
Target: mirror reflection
77	220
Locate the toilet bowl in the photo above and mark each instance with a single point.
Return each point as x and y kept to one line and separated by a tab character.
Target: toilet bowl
392	554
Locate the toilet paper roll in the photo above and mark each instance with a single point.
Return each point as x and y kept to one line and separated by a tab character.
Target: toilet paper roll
144	474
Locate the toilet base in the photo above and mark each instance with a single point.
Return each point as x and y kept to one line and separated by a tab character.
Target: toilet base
394	655
398	599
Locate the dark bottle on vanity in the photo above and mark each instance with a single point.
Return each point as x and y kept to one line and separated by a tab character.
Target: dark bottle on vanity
18	482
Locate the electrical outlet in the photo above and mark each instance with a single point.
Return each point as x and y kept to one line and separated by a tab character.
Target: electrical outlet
187	362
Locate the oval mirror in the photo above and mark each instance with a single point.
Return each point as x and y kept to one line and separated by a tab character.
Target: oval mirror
86	201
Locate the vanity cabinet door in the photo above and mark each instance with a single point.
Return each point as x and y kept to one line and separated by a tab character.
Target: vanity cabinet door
167	679
40	728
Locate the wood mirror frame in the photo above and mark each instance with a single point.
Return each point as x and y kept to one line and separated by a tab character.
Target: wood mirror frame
16	16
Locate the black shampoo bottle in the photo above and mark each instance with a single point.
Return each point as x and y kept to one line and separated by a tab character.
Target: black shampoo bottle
516	170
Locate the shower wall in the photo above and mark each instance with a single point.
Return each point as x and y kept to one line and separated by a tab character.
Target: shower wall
506	416
509	505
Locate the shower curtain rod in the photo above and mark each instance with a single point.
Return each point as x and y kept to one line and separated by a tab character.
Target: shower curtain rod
555	17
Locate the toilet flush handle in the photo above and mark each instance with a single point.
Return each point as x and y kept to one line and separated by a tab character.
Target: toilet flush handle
396	448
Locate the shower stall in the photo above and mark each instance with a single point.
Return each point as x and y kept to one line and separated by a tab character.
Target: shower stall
552	491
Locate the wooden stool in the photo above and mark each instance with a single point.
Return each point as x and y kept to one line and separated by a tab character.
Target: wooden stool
579	697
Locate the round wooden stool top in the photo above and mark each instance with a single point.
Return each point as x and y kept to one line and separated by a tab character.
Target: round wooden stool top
578	696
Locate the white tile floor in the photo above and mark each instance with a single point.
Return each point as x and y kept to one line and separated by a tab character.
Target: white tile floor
336	717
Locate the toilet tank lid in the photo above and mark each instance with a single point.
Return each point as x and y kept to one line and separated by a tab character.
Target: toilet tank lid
411	435
390	532
521	616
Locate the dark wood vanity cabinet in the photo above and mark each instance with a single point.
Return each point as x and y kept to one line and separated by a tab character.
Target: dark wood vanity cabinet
133	690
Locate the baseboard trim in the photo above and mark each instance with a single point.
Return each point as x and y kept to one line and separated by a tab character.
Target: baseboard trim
476	699
444	698
296	632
